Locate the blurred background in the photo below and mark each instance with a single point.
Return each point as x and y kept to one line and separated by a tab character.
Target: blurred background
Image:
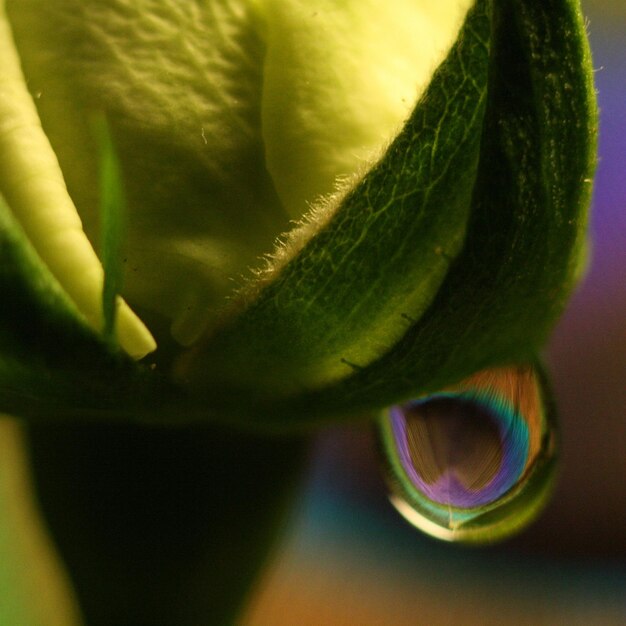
349	559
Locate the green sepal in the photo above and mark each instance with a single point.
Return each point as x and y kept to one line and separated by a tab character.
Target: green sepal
523	249
526	236
350	293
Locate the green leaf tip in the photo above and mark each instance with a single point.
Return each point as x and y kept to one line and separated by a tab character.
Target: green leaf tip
112	214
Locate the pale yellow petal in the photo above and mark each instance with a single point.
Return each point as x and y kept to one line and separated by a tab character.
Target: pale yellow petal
33	185
340	79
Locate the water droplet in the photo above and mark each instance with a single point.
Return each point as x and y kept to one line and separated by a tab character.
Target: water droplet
475	462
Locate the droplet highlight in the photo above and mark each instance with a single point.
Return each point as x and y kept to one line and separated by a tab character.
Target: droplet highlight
474	462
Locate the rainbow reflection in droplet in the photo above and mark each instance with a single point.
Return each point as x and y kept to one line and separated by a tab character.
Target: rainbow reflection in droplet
475	461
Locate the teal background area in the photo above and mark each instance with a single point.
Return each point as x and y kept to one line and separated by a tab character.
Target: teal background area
349	559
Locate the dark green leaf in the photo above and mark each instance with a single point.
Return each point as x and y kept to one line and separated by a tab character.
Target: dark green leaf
526	237
522	252
353	290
